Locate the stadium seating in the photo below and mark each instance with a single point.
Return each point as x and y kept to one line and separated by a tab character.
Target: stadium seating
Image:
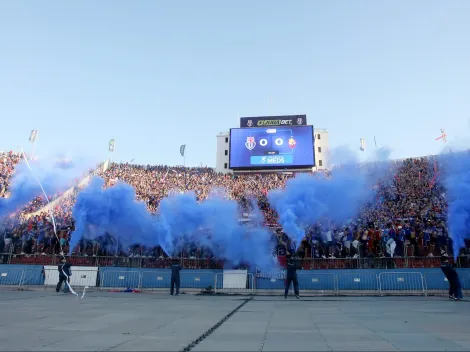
410	204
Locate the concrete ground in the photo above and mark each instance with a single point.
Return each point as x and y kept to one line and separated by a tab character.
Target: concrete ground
104	321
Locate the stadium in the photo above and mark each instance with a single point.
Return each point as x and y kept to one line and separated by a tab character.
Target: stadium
234	176
393	248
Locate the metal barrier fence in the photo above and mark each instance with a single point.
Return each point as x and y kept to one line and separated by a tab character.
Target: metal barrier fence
120	279
438	283
352	283
317	283
11	277
435	282
155	280
409	283
241	283
197	280
311	283
465	281
339	283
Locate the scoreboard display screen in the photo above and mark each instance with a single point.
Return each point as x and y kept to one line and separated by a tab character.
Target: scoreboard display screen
277	147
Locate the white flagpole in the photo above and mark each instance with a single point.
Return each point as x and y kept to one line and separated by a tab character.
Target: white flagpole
110	152
34	145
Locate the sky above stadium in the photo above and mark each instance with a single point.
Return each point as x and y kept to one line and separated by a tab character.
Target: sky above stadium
157	74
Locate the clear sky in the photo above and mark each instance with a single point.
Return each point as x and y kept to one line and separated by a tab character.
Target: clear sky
157	74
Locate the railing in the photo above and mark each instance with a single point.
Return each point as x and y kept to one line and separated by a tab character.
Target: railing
366	283
310	282
318	283
437	282
203	263
120	280
401	283
111	261
11	277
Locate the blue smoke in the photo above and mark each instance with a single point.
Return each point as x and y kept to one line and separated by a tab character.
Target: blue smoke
113	210
24	187
308	198
213	223
457	183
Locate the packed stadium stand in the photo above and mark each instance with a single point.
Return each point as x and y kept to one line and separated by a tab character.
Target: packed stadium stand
407	220
8	161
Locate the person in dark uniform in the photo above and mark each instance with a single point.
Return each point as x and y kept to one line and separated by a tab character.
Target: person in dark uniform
455	288
292	266
64	267
175	277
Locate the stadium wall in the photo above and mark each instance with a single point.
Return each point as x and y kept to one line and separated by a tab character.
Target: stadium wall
360	281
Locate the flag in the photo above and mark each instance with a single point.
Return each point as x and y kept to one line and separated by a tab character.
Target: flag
443	136
182	149
111	145
362	144
33	135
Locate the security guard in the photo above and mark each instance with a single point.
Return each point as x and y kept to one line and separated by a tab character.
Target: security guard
64	275
175	277
455	288
292	266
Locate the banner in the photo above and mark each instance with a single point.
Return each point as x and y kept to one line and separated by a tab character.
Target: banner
182	149
267	121
33	135
111	145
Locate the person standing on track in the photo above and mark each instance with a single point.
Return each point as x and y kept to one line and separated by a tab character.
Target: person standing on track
455	288
64	275
175	277
292	266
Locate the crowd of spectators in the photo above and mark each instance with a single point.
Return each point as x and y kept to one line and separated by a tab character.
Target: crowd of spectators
407	218
8	161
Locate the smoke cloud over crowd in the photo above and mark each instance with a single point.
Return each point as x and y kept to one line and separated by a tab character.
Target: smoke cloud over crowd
213	223
331	199
54	176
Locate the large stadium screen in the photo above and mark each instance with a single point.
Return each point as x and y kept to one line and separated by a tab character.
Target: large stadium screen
279	147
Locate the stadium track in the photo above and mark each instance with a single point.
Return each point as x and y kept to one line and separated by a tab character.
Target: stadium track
105	321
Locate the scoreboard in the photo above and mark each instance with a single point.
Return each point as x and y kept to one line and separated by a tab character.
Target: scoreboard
277	147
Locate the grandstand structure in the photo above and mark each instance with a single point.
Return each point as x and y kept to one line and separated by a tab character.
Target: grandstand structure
412	193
